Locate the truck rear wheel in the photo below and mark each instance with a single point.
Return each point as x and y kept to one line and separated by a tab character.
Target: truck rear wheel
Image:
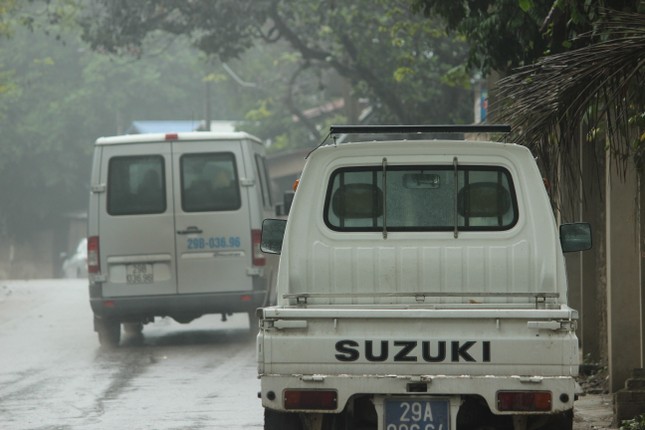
109	332
561	421
274	420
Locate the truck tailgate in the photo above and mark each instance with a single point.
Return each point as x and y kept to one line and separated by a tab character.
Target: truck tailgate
477	342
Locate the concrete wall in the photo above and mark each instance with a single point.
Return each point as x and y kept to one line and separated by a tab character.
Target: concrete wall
593	281
583	200
605	283
624	292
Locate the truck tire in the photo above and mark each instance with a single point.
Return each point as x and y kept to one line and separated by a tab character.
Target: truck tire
562	421
109	332
274	420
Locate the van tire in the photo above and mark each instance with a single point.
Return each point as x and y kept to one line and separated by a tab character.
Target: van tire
275	420
109	332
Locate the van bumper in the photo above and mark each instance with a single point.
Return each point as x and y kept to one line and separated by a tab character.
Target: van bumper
180	305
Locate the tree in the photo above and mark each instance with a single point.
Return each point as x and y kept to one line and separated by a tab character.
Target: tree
586	66
599	85
408	67
61	96
6	7
506	34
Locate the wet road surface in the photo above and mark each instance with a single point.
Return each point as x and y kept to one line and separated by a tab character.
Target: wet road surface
54	374
593	412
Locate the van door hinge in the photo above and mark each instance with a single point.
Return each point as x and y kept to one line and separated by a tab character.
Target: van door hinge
96	189
247	182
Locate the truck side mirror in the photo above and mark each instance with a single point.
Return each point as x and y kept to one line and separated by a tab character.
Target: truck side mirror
575	237
272	235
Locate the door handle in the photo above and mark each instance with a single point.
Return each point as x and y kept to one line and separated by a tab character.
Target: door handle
190	230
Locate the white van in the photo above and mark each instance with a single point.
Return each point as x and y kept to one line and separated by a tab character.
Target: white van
174	229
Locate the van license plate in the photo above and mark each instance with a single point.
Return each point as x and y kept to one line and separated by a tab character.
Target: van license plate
417	413
139	273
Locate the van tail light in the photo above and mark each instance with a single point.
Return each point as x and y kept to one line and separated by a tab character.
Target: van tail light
93	261
319	400
258	257
524	401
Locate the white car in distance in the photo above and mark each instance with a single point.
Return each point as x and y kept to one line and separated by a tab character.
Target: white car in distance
75	265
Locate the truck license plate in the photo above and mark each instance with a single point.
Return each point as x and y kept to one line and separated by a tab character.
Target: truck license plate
139	273
417	414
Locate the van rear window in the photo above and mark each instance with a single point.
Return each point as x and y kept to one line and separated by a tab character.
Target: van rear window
136	185
421	198
209	182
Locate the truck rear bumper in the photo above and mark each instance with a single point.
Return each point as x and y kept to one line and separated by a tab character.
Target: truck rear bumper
563	388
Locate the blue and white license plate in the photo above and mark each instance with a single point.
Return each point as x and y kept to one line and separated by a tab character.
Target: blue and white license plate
417	413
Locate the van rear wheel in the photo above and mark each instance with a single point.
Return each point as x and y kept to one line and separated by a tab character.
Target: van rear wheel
109	332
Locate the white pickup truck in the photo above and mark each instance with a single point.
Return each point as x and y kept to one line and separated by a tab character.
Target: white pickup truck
421	286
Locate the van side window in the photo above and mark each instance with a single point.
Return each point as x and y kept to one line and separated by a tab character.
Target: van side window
263	177
421	198
136	185
209	182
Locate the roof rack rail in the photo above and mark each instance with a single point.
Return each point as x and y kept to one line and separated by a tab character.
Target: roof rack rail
374	129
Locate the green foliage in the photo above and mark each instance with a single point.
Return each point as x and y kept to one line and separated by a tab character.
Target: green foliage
58	97
395	59
278	64
388	55
597	87
503	34
6	8
506	34
638	423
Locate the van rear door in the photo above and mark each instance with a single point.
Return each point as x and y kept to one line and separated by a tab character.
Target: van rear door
137	242
212	221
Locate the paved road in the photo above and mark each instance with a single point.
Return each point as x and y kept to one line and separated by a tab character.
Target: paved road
54	375
593	412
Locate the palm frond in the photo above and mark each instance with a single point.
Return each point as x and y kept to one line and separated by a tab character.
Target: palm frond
600	85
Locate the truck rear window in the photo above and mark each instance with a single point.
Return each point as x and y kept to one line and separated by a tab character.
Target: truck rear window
421	198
